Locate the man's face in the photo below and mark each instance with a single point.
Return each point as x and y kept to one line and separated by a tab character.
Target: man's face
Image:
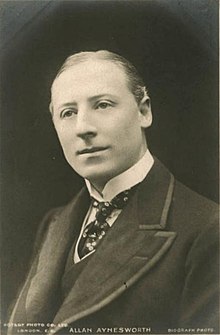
98	122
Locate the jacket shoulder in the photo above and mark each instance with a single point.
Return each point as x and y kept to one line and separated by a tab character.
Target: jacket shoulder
50	217
193	208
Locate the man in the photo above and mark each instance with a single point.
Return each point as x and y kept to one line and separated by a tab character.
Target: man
135	248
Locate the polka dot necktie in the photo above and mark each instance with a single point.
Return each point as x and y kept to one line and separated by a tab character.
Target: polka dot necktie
97	229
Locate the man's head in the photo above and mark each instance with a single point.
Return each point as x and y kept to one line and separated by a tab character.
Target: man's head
100	110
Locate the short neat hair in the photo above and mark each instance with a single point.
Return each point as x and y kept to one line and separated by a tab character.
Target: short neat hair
135	81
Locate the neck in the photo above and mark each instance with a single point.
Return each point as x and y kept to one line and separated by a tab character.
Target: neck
99	184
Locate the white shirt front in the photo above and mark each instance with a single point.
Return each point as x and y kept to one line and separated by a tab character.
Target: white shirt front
116	185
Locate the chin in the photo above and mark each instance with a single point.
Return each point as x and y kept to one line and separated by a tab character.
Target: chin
96	174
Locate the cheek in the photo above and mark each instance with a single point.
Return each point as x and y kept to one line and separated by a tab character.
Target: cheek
121	122
127	129
125	139
64	134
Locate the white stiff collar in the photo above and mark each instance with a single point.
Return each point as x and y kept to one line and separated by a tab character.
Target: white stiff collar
127	179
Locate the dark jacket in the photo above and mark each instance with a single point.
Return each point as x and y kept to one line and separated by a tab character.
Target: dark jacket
156	268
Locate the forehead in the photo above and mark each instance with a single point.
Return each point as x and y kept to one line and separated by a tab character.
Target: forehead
91	77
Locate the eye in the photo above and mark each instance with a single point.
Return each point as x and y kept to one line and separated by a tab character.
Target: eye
67	113
103	105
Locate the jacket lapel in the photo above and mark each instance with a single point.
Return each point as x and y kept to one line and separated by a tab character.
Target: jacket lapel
132	246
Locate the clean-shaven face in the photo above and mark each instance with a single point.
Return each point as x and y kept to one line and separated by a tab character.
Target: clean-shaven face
97	119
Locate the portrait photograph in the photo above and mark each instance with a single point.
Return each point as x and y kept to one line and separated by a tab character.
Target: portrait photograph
109	167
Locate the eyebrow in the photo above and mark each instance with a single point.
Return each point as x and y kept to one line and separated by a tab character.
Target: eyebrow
91	99
95	97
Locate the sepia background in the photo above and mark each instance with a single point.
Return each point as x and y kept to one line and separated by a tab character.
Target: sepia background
174	45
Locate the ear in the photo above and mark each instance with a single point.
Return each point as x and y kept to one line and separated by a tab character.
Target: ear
145	112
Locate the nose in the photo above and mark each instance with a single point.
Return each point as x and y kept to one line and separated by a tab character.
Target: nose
85	128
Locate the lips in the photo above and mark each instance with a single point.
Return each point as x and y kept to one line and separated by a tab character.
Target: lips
91	150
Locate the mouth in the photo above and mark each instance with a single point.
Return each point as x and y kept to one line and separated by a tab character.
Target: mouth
91	150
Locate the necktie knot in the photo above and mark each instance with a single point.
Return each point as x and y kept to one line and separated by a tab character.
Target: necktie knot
96	230
105	208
